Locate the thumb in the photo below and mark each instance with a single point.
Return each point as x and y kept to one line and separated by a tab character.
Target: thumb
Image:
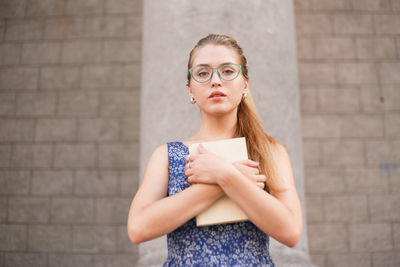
201	149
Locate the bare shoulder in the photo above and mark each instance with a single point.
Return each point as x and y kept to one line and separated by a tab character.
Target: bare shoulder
161	151
280	150
159	157
155	180
161	148
154	184
283	166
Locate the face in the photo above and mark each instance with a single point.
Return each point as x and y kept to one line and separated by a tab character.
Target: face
214	56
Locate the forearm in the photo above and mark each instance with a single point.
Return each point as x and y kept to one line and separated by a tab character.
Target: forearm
167	214
263	209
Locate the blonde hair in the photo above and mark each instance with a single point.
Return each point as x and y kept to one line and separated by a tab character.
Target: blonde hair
260	144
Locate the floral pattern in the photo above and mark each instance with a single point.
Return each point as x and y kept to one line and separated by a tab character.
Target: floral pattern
234	244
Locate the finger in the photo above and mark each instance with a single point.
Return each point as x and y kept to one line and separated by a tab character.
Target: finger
246	170
240	162
246	162
192	157
254	170
261	185
188	171
251	163
261	178
191	179
250	170
201	149
187	158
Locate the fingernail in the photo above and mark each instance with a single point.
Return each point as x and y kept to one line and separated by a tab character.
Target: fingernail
201	146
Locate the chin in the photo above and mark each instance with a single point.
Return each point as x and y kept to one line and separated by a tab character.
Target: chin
220	111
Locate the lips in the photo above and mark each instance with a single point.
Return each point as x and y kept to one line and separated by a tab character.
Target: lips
216	93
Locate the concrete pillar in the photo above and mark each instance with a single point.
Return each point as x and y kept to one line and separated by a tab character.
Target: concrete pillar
265	30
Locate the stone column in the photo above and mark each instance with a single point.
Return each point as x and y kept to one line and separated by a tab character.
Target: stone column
265	30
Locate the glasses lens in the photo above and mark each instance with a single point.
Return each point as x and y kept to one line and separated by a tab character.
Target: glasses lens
229	72
201	74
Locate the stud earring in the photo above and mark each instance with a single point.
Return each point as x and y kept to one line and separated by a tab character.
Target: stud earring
192	100
244	95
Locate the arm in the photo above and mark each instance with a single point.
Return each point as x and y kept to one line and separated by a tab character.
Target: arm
152	213
277	214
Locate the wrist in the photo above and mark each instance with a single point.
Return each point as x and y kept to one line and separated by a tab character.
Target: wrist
226	177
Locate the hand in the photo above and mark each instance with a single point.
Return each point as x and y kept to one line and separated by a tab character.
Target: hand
206	167
250	169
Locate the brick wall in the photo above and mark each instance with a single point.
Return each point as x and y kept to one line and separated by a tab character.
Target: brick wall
349	72
69	112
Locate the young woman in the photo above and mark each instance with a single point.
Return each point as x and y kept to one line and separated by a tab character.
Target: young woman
176	188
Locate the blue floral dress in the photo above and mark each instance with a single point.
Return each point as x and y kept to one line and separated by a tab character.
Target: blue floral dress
233	244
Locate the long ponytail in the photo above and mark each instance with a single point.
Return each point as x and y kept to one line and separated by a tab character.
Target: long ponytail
259	143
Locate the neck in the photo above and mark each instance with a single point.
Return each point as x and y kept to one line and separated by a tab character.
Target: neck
217	127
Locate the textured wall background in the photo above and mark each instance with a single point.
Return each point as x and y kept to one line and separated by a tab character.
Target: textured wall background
349	69
69	110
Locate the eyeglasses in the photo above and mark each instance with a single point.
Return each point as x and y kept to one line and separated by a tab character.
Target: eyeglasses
226	72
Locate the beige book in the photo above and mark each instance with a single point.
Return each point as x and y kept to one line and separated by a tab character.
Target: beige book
223	210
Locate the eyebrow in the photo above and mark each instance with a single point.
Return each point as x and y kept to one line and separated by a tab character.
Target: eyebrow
208	65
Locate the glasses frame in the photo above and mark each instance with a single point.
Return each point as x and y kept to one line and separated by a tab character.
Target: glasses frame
217	70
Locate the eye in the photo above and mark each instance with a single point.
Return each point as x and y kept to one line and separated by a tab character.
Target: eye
227	71
203	73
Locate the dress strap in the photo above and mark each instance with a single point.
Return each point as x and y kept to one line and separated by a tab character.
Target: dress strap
177	148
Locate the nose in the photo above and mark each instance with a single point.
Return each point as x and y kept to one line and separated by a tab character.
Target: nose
215	79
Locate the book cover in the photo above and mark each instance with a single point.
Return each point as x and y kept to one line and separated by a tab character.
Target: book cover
223	210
